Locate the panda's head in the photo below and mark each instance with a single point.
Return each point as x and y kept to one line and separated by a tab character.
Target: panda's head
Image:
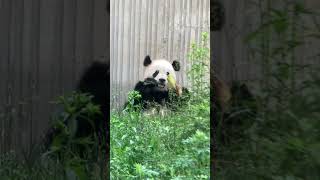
159	70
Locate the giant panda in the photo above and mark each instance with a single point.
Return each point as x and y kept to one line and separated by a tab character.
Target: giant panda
155	89
217	15
95	82
233	108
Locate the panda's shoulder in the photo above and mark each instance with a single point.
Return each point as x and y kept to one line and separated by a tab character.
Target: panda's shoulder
139	86
94	76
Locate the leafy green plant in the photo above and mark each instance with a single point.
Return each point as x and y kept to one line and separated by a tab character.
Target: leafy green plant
133	98
72	148
199	57
63	160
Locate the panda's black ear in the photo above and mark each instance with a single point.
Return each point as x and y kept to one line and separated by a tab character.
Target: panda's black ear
176	65
147	61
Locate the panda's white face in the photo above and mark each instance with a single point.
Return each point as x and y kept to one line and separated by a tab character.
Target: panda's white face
159	70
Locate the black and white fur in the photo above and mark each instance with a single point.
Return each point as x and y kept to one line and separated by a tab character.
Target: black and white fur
154	87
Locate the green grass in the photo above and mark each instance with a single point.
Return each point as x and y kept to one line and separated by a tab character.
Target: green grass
175	146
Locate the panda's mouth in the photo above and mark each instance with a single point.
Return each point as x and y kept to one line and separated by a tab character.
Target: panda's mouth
160	85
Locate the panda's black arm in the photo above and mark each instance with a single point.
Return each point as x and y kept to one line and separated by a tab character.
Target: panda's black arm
139	86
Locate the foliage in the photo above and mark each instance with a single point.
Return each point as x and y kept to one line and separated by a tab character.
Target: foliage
63	160
198	74
77	108
175	146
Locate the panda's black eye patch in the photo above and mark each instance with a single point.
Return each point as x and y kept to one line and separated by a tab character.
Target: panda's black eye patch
155	74
168	73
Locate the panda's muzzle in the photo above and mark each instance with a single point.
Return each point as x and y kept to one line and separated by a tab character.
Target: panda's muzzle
162	83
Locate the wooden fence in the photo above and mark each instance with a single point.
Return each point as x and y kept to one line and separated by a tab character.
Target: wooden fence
159	28
44	47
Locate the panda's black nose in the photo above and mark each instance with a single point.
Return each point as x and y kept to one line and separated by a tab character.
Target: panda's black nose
161	80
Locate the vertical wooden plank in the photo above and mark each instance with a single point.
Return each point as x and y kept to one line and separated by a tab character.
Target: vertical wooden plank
35	79
189	32
147	28
186	40
16	73
168	18
129	52
181	47
115	48
100	30
8	106
27	68
138	59
125	46
133	58
54	59
84	39
5	19
47	63
107	26
142	46
53	43
112	50
68	45
122	47
162	28
172	30
59	22
150	41
156	49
